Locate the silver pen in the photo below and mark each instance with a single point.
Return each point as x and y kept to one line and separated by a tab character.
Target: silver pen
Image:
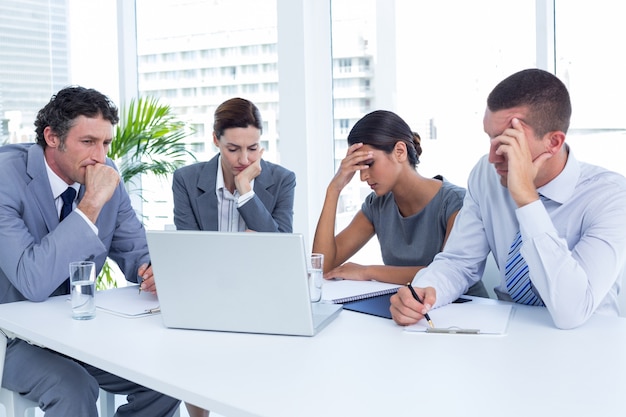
149	264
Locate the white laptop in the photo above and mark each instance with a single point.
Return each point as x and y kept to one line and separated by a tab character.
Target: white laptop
235	282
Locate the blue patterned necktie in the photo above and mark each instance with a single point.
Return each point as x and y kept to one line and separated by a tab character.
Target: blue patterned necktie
517	276
68	197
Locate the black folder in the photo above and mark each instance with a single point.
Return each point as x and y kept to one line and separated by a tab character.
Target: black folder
379	305
376	306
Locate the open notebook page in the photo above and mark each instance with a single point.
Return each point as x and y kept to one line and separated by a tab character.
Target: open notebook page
342	291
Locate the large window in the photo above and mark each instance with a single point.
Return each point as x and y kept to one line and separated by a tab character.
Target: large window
203	53
592	62
432	62
433	66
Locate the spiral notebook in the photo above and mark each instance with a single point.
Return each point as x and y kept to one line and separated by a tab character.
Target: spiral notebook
346	291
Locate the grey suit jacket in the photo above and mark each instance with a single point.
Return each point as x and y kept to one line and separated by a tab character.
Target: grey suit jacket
36	249
270	210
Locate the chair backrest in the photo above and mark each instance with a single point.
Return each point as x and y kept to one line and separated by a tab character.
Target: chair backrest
491	276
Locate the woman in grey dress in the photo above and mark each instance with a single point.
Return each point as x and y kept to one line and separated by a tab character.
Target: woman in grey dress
411	215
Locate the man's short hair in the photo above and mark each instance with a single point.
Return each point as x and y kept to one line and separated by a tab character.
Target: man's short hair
545	96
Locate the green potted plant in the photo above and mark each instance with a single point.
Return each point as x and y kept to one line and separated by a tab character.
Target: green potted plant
149	139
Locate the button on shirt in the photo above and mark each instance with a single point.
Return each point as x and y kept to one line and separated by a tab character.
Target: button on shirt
574	241
228	203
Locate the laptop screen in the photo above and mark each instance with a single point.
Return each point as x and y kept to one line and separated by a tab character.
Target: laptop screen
241	282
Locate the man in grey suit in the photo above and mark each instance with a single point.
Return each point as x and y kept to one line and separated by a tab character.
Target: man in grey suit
74	131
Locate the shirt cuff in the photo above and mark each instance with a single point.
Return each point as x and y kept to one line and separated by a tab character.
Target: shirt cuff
534	220
93	226
243	199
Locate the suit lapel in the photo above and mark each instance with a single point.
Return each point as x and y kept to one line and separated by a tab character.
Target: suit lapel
207	200
39	187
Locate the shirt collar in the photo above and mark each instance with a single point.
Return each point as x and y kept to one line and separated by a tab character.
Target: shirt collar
561	188
57	185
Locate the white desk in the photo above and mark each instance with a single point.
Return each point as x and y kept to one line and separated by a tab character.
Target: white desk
359	365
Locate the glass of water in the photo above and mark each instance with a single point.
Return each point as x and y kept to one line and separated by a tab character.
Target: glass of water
316	271
83	289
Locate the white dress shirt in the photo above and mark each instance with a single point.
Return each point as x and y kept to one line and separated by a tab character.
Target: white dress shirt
228	203
574	240
58	186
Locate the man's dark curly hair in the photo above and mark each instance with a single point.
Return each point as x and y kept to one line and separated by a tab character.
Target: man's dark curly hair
68	104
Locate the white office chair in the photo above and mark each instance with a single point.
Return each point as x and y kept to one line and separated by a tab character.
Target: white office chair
17	406
14	404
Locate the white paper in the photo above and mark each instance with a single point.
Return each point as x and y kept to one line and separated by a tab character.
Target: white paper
127	301
486	318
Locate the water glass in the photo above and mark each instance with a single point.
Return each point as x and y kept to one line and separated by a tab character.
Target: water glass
316	271
83	289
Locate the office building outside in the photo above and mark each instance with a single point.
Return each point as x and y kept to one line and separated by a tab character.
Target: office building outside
194	73
34	62
192	70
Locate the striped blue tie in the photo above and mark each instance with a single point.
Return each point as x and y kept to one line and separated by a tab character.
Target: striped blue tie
517	276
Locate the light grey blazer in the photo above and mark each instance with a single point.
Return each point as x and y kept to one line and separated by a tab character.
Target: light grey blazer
36	249
270	210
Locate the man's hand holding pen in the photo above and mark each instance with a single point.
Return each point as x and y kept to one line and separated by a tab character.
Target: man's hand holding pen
405	307
146	277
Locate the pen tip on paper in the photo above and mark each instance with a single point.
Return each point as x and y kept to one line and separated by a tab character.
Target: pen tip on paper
430	323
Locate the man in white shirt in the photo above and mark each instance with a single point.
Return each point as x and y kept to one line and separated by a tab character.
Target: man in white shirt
570	216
